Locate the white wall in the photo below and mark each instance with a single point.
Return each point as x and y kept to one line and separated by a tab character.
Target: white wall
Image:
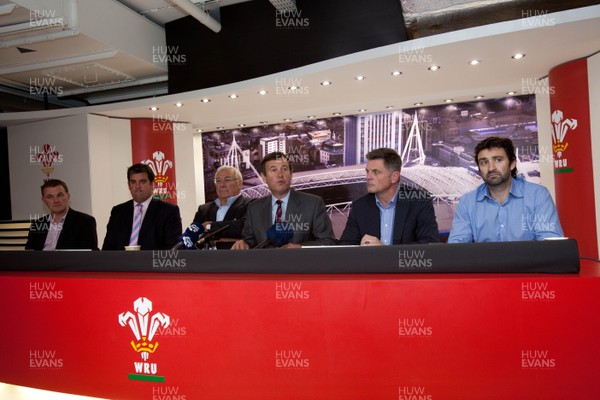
68	136
186	172
95	154
594	89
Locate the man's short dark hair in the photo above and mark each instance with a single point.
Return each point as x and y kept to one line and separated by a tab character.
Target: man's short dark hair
271	157
391	160
494	142
54	183
140	168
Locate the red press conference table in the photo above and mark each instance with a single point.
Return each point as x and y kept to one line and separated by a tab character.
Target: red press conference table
418	331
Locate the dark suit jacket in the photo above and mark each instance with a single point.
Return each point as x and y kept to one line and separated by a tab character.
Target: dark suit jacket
305	214
160	229
414	220
78	232
235	217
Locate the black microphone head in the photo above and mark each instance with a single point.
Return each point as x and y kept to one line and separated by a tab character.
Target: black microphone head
191	235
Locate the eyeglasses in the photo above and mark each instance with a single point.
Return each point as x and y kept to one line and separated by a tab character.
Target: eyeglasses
226	180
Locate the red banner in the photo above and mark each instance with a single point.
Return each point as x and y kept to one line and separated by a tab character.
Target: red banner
194	336
152	144
572	150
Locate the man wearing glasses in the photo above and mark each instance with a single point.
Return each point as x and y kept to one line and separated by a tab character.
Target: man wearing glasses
229	208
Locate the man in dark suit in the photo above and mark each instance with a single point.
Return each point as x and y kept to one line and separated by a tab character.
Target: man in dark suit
63	228
389	213
146	222
229	209
301	213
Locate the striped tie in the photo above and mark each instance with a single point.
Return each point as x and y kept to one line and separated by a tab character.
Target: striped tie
137	223
279	212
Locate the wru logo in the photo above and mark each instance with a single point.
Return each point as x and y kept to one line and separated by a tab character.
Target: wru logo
144	326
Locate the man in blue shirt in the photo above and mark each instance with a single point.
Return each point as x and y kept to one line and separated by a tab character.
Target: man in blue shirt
504	208
389	213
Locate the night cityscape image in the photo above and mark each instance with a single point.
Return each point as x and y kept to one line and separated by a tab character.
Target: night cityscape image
328	155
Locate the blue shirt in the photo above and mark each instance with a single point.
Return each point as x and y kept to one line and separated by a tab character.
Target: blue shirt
224	208
527	214
285	200
386	218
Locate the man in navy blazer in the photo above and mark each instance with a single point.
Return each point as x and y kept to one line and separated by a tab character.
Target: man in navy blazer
303	214
229	209
389	213
63	228
159	225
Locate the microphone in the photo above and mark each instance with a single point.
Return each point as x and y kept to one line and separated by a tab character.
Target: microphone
189	237
206	236
278	235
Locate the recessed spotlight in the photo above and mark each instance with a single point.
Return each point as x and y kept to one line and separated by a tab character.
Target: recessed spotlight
337	114
448	101
310	116
518	56
360	78
179	104
293	88
396	73
199	130
262	92
511	93
434	68
286	119
205	100
263	122
479	97
389	107
326	83
153	108
220	127
242	125
362	110
474	62
233	96
418	104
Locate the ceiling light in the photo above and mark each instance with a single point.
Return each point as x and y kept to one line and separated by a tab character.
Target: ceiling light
220	127
448	101
511	93
326	83
396	73
434	68
242	125
479	97
262	92
287	119
518	56
205	100
389	107
179	104
418	104
293	88
337	114
474	62
153	108
263	122
310	116
199	130
360	78
362	110
233	96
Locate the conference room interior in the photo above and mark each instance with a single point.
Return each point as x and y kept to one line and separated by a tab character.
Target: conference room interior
328	80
